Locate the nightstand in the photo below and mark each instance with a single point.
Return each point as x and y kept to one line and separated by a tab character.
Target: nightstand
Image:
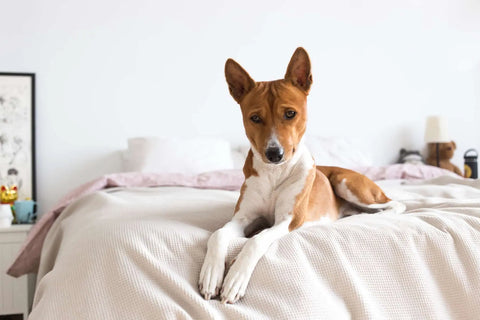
16	294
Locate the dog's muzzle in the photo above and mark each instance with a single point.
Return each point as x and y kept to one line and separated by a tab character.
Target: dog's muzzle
274	154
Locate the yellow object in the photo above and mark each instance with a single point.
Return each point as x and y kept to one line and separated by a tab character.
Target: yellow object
468	171
8	195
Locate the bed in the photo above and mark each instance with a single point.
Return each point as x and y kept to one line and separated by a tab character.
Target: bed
131	245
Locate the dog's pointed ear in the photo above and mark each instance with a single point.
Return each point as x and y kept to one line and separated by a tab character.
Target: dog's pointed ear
299	70
239	81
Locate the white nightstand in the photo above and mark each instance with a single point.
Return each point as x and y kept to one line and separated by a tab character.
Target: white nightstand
16	294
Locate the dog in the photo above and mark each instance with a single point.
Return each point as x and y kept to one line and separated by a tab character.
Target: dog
283	187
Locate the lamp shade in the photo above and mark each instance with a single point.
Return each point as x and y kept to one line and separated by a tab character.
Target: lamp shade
436	130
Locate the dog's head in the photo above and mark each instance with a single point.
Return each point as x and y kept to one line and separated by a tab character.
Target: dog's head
274	112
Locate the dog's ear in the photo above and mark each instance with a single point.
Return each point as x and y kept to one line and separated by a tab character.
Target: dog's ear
299	70
239	82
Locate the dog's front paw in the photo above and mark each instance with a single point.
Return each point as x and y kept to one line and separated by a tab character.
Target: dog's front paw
235	283
211	276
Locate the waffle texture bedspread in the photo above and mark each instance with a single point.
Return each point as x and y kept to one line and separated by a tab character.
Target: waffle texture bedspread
136	253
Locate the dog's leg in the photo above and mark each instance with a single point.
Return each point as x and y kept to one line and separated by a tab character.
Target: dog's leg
213	268
238	276
360	191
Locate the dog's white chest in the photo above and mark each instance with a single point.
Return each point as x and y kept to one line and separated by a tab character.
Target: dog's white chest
261	196
274	190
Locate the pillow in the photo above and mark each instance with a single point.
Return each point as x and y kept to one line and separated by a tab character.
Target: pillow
177	155
239	155
340	152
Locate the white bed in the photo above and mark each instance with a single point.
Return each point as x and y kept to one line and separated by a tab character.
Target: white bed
136	253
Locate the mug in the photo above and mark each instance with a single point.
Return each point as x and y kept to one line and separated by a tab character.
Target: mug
24	211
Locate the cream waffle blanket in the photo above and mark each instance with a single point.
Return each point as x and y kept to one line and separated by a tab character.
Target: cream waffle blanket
136	253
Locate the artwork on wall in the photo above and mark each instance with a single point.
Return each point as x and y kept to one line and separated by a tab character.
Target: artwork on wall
17	132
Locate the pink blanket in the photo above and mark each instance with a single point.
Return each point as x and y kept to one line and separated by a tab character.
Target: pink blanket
404	171
28	258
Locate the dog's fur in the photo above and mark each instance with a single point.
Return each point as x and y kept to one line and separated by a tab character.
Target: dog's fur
283	188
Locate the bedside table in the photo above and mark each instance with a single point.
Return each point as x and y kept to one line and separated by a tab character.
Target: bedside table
15	296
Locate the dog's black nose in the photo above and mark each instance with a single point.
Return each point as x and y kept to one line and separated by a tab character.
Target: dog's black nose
274	154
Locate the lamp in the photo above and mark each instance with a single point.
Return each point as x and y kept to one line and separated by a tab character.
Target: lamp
436	131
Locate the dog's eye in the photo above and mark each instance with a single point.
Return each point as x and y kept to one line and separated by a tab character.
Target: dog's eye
290	114
256	119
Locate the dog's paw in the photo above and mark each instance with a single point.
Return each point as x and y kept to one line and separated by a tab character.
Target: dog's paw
211	277
235	284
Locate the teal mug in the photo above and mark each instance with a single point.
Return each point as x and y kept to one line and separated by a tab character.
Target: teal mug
25	211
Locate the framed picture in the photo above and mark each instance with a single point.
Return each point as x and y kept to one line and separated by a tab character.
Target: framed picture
17	132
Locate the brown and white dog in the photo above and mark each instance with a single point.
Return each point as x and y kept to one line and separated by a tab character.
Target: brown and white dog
283	188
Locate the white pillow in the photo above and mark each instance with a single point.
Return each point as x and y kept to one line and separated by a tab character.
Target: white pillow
336	151
177	155
239	155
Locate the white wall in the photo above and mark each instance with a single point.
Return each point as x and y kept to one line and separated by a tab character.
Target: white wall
111	69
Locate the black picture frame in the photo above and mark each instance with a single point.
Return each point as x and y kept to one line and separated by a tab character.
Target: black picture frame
16	88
